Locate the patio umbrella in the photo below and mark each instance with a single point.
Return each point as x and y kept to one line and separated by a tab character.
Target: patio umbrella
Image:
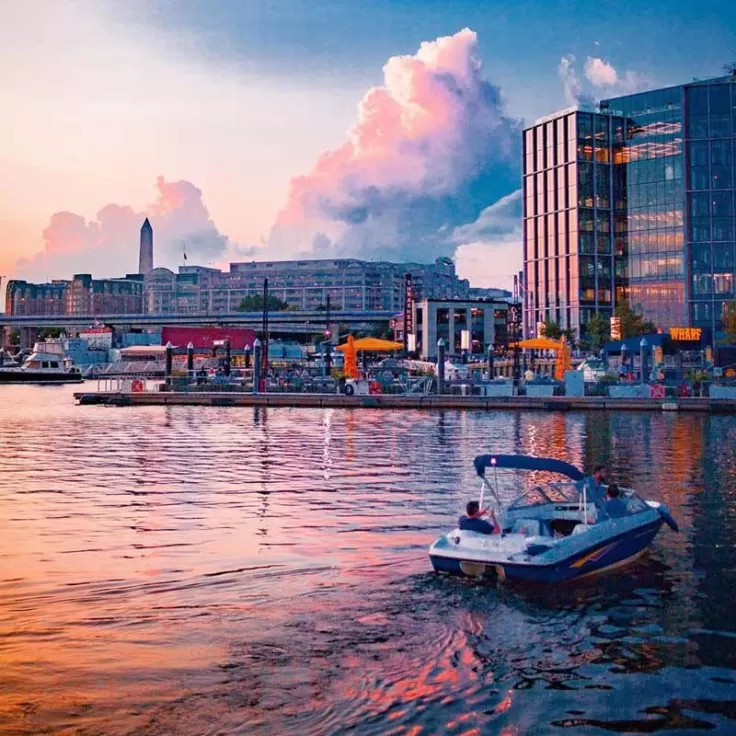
351	363
372	345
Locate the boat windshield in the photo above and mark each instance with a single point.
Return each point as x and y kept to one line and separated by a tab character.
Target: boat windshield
570	493
560	492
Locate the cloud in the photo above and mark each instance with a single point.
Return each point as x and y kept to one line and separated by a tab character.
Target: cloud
489	250
600	73
108	245
429	150
573	87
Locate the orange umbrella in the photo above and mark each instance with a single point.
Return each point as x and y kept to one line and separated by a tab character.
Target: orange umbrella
537	343
373	345
564	361
351	363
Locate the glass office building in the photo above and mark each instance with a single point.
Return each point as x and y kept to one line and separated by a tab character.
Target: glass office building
670	214
573	209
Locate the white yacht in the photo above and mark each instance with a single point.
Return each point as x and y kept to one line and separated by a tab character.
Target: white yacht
42	367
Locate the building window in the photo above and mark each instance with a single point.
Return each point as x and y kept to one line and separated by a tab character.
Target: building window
702	312
723	284
702	284
699	229
723	257
697	126
723	228
585	185
701	258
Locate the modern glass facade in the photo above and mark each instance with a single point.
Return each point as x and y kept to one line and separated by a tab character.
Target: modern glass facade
709	136
644	209
652	169
572	204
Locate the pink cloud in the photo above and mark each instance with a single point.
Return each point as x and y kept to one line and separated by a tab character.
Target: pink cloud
432	128
108	244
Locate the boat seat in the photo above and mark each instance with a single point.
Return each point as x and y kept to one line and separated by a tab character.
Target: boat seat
530	528
579	529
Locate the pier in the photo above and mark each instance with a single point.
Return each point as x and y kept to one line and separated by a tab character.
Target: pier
401	401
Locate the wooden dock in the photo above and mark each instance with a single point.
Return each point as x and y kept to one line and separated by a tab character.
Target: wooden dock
400	401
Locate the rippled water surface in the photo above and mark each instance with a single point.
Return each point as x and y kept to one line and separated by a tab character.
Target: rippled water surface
202	570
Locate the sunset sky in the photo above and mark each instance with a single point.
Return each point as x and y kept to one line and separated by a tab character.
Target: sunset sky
201	114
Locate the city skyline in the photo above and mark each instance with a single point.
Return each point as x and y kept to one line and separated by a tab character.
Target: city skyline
225	121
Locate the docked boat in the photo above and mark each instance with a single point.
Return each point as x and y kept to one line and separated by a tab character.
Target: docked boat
42	367
550	533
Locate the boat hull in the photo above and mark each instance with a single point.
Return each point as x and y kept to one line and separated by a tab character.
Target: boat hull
598	558
22	376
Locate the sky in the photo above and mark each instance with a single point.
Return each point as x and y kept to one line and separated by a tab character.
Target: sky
251	129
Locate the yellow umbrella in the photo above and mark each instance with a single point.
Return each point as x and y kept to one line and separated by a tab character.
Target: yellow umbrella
372	345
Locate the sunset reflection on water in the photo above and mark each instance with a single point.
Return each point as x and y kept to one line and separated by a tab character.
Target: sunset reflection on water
192	570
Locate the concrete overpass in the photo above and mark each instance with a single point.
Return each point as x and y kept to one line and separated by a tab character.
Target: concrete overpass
310	322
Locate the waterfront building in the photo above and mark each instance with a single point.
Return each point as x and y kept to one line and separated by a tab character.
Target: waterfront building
85	295
25	299
633	200
145	255
466	325
351	285
81	295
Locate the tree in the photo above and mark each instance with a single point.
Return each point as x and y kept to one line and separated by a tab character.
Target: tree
47	333
551	330
729	323
597	331
632	323
254	303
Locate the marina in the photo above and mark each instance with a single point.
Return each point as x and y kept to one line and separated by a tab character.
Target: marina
367	369
178	569
399	401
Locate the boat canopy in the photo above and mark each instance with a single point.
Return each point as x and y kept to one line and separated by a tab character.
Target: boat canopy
524	462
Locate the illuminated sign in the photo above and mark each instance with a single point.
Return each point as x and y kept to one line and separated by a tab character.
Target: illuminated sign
408	309
691	334
615	328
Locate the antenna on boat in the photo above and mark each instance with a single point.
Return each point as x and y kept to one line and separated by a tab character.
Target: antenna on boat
484	483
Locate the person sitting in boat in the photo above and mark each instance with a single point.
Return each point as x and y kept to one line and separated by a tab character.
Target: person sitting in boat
598	491
614	505
472	520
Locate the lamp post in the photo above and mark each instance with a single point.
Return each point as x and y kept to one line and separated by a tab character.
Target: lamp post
257	357
264	353
643	355
328	338
440	366
624	358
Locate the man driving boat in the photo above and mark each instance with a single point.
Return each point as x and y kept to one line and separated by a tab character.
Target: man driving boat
472	520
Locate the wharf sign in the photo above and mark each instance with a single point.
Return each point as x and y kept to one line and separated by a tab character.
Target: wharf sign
686	334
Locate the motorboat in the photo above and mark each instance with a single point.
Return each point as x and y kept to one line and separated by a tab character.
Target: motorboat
42	367
552	532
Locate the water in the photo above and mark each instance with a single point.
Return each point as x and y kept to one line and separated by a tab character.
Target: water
216	570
